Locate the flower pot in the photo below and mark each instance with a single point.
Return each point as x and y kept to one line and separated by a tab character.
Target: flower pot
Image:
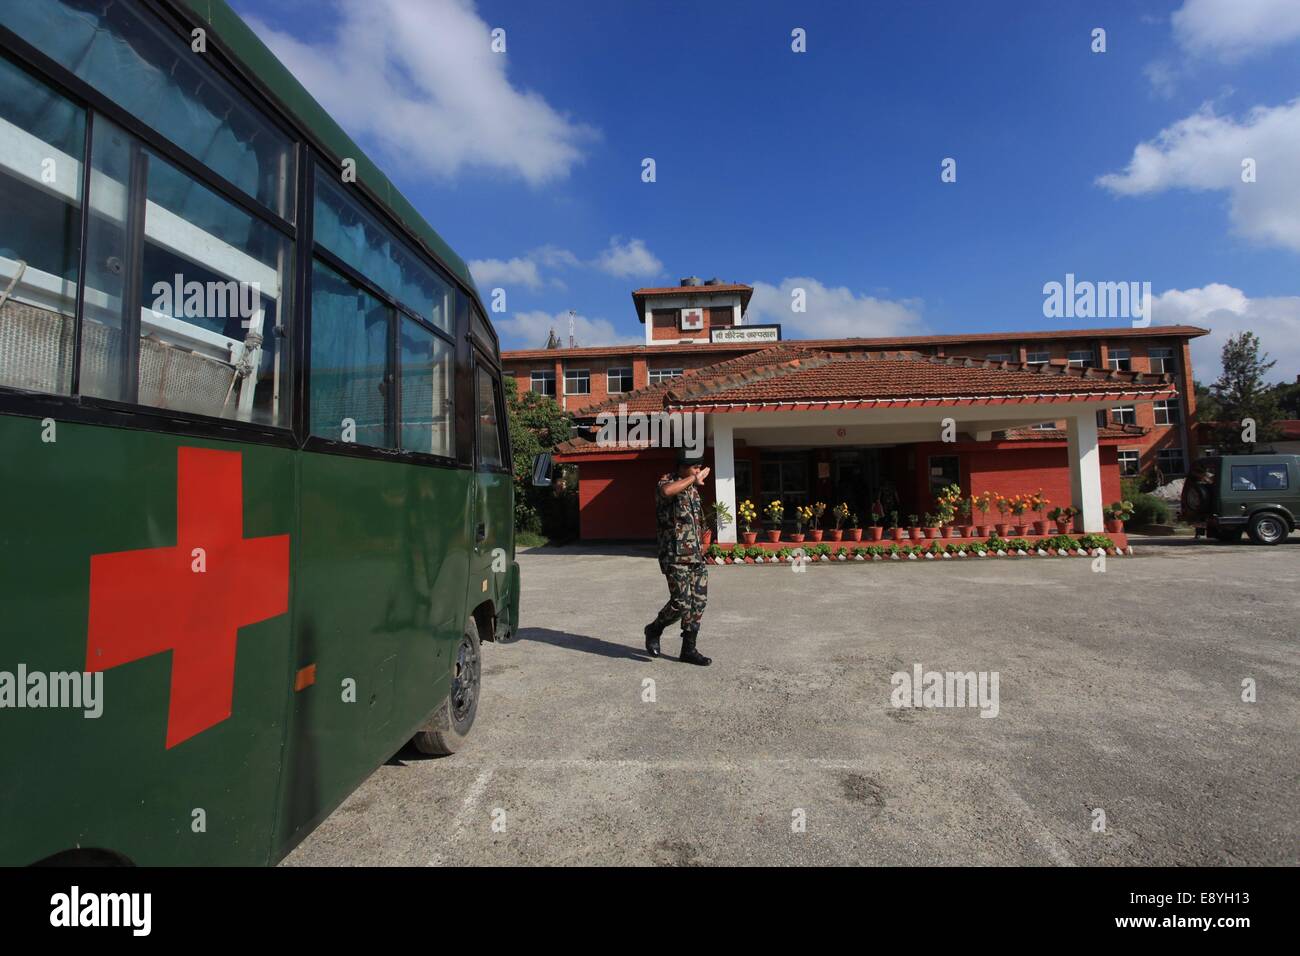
876	532
1115	525
949	531
855	534
1017	530
749	537
796	538
1001	527
963	531
774	536
836	534
815	534
932	533
977	531
1063	525
708	538
1040	528
897	533
917	534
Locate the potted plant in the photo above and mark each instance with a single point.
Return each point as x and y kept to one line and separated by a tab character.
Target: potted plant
931	525
775	512
963	523
1018	505
982	505
1064	518
896	531
914	528
1117	514
1038	504
747	514
802	515
855	529
841	514
717	515
818	509
1003	504
947	514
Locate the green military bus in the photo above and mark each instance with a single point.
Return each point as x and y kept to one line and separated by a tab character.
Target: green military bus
256	479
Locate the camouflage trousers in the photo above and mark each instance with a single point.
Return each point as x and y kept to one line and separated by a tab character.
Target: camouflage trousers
688	592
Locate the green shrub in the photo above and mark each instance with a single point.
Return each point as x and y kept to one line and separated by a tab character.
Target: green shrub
1148	509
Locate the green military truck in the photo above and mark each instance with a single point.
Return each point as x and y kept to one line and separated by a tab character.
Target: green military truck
1229	495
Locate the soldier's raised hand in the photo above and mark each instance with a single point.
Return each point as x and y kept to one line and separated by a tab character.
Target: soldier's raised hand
703	474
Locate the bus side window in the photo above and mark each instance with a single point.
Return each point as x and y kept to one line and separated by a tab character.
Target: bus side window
489	427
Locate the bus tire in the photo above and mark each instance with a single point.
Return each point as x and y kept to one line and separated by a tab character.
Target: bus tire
1268	527
451	723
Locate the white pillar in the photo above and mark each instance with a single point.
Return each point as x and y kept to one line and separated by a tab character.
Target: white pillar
724	473
649	325
1085	470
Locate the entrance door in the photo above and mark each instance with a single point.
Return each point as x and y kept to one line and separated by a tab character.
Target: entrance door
493	517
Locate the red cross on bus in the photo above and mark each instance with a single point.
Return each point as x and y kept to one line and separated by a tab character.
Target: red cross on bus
192	598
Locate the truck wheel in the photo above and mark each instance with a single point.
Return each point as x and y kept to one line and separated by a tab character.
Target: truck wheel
1268	528
451	723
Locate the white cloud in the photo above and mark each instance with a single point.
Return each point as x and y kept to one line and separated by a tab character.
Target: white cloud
494	272
421	81
832	312
628	260
1162	77
529	330
1233	29
1205	151
1227	311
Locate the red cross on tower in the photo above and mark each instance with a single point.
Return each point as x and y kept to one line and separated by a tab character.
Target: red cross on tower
190	602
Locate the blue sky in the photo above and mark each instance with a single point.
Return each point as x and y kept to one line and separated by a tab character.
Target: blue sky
822	169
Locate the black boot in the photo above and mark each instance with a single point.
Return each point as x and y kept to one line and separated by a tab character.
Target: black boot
652	634
689	654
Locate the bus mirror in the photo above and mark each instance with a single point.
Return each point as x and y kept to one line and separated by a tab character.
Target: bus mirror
542	471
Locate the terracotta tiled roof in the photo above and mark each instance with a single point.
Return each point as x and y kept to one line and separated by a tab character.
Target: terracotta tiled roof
897	342
1110	432
815	378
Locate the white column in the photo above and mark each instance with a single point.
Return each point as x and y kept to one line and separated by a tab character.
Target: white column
724	473
1085	470
649	325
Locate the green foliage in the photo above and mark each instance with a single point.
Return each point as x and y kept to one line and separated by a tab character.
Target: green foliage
1090	542
1148	509
1241	394
1019	544
538	424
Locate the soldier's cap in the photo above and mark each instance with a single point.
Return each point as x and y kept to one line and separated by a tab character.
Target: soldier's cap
684	457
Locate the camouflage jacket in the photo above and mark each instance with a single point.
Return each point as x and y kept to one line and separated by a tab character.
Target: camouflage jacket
679	522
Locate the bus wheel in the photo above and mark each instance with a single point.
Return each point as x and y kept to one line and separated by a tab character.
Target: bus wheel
451	724
1267	528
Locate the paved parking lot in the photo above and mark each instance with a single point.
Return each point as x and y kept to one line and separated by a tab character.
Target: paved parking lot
1119	691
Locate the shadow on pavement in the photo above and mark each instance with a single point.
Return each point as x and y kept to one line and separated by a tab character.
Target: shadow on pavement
579	642
635	549
1187	541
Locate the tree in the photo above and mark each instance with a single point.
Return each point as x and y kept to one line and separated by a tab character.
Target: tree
1207	406
1242	395
537	424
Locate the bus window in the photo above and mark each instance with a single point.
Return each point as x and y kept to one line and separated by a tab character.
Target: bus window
489	428
197	284
39	231
126	54
426	362
349	364
341	226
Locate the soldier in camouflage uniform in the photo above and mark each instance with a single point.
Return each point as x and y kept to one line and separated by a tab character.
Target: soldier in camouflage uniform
679	518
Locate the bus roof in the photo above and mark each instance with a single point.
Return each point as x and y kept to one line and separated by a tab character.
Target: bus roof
262	67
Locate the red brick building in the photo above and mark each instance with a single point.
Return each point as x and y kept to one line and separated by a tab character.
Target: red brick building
857	420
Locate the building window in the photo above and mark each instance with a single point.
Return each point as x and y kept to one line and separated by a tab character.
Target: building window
1081	358
1162	360
618	380
658	375
1167	412
1129	463
577	381
1170	462
1124	415
542	382
1121	360
998	357
1038	358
